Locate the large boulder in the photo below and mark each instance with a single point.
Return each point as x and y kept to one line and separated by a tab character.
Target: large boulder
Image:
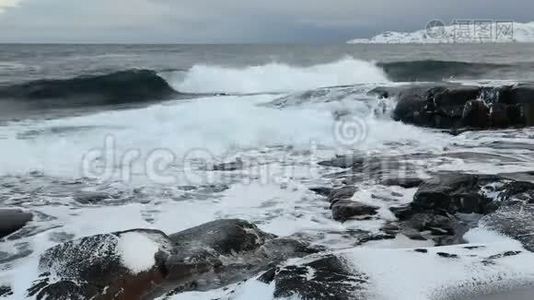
434	106
12	220
455	106
454	193
121	265
144	264
221	252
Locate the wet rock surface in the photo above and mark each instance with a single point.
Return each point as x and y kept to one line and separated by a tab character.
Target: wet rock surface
343	210
143	264
445	205
326	277
454	193
448	205
453	106
97	267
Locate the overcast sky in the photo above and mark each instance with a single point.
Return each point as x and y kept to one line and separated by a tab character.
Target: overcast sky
235	21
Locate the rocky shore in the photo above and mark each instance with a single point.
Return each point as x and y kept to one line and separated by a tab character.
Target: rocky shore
440	218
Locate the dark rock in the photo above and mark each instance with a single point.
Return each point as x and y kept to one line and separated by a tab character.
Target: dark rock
455	193
403	212
5	291
434	106
500	116
476	114
322	191
437	224
522	93
223	236
454	106
12	220
268	276
505	254
93	267
229	166
390	228
421	250
443	207
440	204
86	197
447	255
343	193
414	235
326	277
369	237
442	229
205	257
343	210
222	252
473	247
405	182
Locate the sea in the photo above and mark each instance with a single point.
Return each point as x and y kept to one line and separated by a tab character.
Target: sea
85	155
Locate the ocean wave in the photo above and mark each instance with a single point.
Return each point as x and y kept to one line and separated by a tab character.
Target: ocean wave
143	85
128	86
276	77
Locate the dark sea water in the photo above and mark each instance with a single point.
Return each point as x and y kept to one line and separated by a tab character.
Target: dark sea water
31	62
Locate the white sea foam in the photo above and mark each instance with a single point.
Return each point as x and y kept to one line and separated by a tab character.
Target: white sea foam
217	125
277	77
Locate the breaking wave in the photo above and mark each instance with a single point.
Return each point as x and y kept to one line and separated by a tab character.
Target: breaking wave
114	88
277	77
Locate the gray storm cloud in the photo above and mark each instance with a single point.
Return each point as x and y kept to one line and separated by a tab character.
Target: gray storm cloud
219	21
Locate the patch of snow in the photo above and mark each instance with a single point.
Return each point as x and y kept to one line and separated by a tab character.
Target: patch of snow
137	251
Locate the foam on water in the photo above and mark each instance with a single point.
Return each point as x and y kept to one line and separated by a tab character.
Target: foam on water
277	77
215	125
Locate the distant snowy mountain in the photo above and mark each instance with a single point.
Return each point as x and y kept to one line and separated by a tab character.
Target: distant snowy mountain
473	32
